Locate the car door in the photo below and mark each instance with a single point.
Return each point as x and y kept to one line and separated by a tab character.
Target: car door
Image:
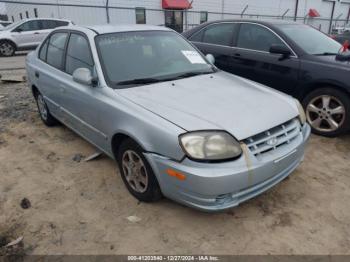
253	60
217	39
50	73
80	104
28	34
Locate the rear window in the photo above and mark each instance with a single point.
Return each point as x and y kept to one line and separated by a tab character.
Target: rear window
61	23
51	24
55	50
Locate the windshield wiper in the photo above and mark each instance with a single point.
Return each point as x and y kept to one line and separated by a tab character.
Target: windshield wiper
326	53
144	81
190	74
139	81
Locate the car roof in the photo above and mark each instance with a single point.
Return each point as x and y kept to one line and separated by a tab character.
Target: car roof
44	18
105	29
267	22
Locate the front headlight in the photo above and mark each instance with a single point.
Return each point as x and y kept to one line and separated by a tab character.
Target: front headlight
302	116
210	145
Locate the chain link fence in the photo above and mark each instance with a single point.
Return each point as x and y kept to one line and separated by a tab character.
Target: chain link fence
89	12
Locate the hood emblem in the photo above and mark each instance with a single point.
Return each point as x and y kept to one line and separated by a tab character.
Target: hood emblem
272	141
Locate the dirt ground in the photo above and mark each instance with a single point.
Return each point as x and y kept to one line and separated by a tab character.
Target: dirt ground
83	207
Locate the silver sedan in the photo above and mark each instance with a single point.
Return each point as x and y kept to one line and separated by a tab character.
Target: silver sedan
176	125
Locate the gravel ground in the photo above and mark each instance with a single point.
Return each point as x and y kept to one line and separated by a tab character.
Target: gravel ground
61	205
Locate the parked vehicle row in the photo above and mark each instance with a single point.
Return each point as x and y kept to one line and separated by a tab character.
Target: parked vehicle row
343	37
293	58
176	124
27	34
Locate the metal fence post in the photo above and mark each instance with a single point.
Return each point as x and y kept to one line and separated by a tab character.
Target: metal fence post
107	11
296	10
245	9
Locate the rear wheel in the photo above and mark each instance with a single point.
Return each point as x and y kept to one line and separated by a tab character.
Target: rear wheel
136	172
7	48
327	111
44	112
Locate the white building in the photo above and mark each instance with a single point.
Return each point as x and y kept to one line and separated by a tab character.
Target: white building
155	11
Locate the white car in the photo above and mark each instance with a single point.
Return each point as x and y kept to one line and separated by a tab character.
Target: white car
27	34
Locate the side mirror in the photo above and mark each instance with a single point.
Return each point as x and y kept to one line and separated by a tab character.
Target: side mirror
84	76
210	58
281	50
18	30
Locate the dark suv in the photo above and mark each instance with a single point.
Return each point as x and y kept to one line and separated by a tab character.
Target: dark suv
293	58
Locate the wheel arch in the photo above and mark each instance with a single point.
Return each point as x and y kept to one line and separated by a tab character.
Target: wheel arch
118	138
35	90
310	87
9	40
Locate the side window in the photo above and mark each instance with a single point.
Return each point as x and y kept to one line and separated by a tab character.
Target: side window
29	26
78	54
55	49
48	24
61	23
219	34
43	50
256	37
197	37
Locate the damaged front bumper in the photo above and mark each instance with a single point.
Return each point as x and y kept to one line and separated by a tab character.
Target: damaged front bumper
219	186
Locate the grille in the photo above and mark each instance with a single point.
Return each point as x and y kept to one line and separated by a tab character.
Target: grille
273	138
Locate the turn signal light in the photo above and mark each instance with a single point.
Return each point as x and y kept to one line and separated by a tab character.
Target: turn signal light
176	174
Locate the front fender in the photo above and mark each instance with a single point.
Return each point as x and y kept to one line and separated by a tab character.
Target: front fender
153	133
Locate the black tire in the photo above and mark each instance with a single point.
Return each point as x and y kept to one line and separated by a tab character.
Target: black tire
47	118
338	99
152	191
7	48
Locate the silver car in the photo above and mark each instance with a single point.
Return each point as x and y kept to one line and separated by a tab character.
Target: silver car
27	34
175	124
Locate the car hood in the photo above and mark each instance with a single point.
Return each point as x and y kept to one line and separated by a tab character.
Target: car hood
4	32
219	101
331	60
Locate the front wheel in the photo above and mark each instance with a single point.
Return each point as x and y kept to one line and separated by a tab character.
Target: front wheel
136	172
327	111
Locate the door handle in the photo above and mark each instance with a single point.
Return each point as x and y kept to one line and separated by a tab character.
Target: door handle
36	33
36	74
237	55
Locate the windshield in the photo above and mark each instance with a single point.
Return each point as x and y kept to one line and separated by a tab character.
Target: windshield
133	58
311	40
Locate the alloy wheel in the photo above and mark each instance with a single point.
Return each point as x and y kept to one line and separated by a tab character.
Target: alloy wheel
135	171
6	49
42	107
325	113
